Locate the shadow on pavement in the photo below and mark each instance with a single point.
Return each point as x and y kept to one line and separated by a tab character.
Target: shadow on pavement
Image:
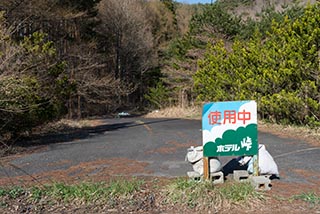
71	134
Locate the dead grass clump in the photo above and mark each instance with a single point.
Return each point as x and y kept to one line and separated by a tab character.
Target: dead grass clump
193	112
63	125
311	135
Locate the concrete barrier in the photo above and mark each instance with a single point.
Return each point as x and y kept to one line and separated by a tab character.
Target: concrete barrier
217	177
240	175
260	182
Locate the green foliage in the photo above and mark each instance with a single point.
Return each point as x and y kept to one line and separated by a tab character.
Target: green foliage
188	192
23	104
179	47
36	193
261	21
213	20
281	71
18	95
193	193
33	83
37	44
181	192
124	187
13	192
309	197
158	96
84	192
211	23
170	4
238	193
266	17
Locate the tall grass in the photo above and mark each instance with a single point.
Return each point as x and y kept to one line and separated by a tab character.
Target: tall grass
205	194
181	192
309	197
83	192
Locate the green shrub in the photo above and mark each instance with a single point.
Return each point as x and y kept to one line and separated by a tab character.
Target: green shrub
281	71
158	96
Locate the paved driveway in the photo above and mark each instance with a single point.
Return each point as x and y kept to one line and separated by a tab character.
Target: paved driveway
142	147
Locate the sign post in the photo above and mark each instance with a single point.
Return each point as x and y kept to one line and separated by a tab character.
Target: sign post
229	129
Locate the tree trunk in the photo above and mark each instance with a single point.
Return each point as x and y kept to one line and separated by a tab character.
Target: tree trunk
79	107
70	115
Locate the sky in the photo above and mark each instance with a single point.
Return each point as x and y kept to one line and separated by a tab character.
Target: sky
195	1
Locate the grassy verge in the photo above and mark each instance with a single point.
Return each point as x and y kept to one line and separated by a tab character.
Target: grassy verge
132	195
312	135
179	195
83	193
206	195
309	197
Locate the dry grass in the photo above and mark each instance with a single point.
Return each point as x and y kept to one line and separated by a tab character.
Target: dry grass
64	125
176	112
301	132
75	123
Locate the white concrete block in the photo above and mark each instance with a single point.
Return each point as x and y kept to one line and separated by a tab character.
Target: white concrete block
260	182
217	177
240	175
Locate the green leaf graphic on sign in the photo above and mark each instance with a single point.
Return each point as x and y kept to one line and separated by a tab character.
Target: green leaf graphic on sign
243	141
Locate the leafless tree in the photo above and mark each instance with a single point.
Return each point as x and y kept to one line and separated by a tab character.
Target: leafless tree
162	22
27	86
95	84
129	39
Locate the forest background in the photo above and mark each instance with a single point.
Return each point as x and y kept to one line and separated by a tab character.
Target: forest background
77	59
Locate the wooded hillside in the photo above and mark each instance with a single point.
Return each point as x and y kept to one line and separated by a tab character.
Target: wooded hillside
96	57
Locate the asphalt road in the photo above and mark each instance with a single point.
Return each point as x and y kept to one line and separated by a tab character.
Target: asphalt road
142	147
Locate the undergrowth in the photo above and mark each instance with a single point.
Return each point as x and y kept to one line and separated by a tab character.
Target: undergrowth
180	192
83	192
204	194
